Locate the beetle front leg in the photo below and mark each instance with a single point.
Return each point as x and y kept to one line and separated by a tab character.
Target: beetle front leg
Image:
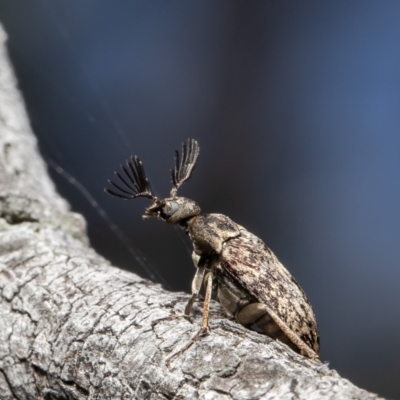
196	283
207	299
196	286
204	323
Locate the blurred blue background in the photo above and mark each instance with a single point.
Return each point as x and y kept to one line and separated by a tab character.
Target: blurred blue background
296	106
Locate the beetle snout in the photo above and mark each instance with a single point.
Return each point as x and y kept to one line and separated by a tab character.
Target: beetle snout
152	211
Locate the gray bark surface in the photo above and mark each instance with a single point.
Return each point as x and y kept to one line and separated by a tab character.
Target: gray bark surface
74	327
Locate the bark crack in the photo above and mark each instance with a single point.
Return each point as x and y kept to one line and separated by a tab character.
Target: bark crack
8	383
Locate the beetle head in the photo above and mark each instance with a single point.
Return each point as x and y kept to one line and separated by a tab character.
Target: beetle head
173	210
135	184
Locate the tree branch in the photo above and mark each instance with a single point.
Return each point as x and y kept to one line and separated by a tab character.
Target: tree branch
73	326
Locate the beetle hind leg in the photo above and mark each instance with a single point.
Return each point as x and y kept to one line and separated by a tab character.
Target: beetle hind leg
274	327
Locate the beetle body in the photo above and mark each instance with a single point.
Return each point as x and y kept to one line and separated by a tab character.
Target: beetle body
250	282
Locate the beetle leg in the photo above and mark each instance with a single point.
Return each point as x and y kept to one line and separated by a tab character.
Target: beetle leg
207	300
196	286
273	326
204	323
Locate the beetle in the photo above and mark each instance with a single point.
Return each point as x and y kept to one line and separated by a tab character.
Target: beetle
250	282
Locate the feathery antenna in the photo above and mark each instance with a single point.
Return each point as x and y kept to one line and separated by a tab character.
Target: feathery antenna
135	181
185	164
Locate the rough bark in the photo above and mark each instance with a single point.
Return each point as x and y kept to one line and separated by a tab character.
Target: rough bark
73	326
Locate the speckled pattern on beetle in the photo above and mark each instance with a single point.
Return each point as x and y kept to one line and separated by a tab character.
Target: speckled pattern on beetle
250	282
